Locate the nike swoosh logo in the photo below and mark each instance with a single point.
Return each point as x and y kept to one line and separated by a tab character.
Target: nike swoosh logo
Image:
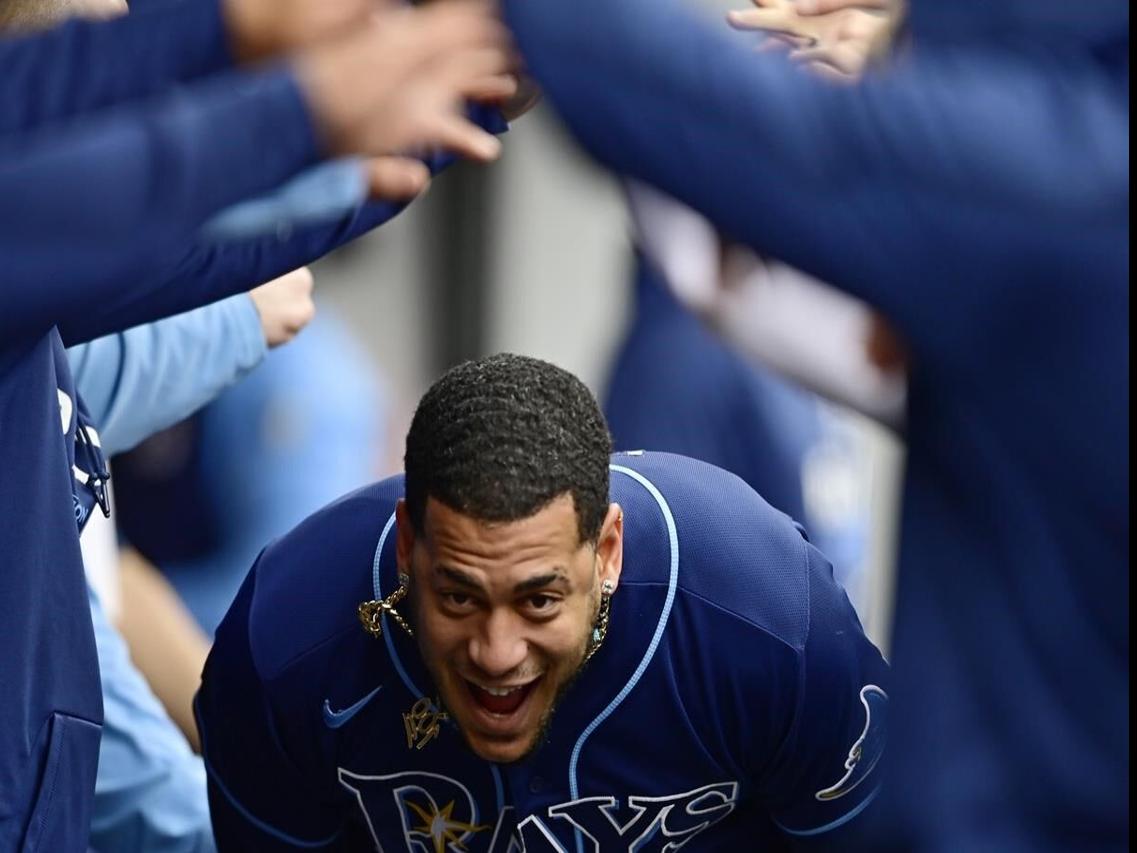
335	719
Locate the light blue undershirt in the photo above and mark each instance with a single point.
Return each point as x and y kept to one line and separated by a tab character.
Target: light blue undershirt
150	792
138	382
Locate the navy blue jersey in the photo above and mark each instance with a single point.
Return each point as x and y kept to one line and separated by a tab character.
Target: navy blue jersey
735	702
979	199
51	711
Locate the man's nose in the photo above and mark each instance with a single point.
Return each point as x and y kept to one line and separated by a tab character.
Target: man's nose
499	647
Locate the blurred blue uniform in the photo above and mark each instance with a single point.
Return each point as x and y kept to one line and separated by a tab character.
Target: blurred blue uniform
979	199
138	382
52	709
675	386
678	388
734	705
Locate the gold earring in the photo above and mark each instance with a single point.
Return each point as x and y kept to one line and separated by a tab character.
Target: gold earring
600	628
371	612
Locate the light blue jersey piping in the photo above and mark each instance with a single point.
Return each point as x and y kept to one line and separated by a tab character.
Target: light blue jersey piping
672	583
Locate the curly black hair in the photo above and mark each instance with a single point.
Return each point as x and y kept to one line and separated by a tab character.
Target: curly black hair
499	438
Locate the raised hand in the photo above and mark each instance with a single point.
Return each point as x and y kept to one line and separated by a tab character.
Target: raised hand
285	306
833	38
398	83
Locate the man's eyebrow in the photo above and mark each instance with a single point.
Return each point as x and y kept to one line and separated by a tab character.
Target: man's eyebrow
541	581
459	577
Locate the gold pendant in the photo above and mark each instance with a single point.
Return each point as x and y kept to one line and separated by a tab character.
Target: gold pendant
371	612
423	723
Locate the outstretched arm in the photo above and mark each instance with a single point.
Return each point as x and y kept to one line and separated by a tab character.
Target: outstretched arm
211	268
84	66
89	210
96	212
874	188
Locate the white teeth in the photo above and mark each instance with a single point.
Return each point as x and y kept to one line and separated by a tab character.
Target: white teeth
500	691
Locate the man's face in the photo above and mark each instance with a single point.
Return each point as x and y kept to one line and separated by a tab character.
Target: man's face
503	615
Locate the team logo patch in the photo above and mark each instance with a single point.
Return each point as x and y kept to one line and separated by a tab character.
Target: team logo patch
867	749
438	814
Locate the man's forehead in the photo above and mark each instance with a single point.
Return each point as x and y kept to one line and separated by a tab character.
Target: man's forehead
552	528
560	509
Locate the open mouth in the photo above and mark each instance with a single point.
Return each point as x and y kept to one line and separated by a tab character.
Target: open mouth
502	701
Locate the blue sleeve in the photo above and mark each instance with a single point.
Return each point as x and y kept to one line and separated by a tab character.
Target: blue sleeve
82	66
150	788
208	271
212	268
90	212
259	798
138	382
826	770
1021	158
321	194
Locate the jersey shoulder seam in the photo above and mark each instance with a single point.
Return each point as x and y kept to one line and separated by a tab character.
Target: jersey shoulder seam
736	615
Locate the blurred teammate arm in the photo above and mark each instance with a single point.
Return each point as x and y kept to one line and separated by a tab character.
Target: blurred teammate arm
83	66
873	188
94	211
279	237
361	193
89	209
819	336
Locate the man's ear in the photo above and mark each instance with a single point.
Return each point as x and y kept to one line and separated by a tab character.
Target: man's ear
404	538
610	546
